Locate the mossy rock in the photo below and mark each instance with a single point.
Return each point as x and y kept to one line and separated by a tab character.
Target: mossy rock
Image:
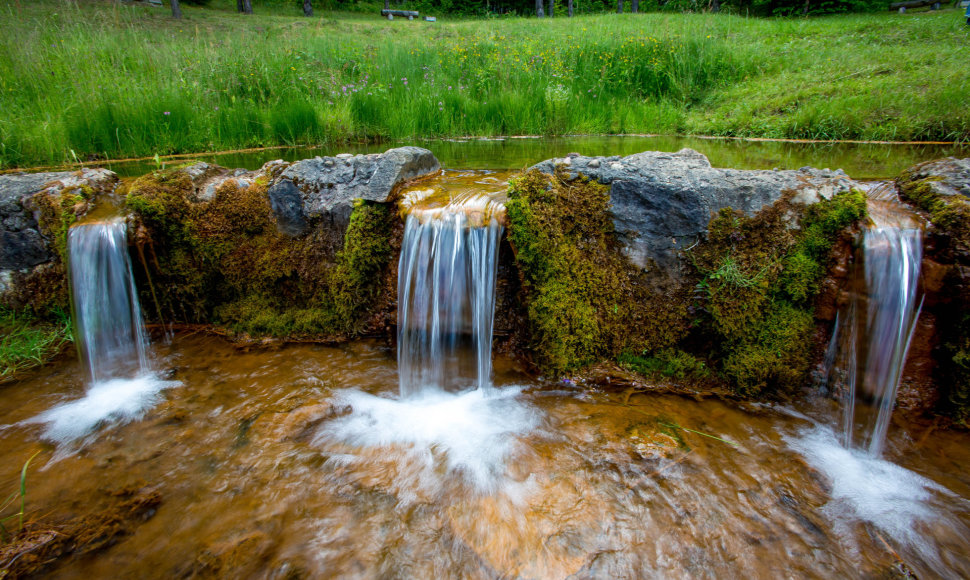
757	280
743	311
586	302
940	189
223	260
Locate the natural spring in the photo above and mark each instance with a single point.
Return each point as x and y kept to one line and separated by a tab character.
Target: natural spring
435	458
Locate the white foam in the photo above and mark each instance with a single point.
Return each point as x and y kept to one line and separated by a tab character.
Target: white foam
111	401
891	497
474	434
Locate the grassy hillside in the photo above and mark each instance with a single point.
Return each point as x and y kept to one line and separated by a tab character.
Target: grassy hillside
101	79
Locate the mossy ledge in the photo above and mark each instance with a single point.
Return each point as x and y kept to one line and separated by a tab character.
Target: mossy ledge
940	189
224	261
741	313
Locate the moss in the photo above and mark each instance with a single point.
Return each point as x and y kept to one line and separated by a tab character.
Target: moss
757	281
950	215
57	212
224	261
778	355
586	302
353	282
667	362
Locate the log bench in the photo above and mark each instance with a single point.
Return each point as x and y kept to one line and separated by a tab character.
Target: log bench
409	14
902	7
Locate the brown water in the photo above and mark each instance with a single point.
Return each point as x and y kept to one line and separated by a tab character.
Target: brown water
264	472
860	161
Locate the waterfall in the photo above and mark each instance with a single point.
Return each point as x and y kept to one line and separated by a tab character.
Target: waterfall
446	296
875	330
107	317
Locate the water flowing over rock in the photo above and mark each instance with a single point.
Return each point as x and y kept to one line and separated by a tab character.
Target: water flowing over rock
110	331
662	202
869	347
326	187
446	294
940	190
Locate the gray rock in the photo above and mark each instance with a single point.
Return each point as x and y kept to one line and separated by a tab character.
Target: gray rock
325	188
22	246
951	176
662	202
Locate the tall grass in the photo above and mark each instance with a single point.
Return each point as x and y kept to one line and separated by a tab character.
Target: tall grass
27	342
103	79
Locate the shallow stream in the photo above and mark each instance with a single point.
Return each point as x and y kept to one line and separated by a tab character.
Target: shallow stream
302	462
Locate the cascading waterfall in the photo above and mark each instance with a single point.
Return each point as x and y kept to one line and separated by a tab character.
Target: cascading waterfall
446	295
109	326
874	332
110	335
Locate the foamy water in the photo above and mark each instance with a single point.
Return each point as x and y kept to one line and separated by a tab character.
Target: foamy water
114	401
467	435
897	501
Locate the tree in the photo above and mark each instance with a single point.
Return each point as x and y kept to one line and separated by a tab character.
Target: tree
619	6
244	6
176	10
570	7
387	4
539	12
552	8
307	8
635	7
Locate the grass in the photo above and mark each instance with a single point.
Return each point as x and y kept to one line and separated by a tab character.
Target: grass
21	494
27	342
95	79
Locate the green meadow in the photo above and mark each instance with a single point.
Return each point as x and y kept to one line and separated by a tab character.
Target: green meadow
101	79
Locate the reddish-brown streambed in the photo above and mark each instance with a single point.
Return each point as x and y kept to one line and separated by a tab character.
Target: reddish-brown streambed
301	462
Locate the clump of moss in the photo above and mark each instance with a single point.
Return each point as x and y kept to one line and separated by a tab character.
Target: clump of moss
57	212
225	261
586	302
671	363
757	280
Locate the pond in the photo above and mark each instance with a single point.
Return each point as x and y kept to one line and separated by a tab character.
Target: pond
860	161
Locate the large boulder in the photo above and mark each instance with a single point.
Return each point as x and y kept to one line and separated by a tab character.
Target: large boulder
324	188
662	202
35	211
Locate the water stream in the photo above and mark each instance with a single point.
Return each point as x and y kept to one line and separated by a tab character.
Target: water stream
871	339
446	288
110	335
108	322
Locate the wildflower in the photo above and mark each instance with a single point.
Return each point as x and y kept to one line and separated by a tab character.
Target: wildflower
167	113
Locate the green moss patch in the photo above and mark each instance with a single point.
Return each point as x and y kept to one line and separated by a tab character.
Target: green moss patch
586	302
224	261
757	281
744	311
